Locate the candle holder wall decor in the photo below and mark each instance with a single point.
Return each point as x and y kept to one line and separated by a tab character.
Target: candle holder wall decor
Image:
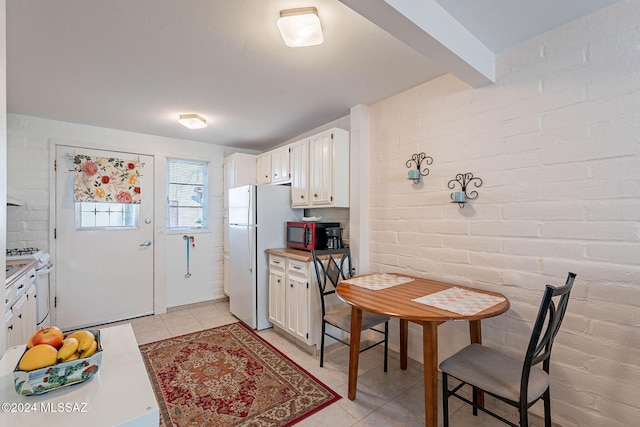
464	179
418	159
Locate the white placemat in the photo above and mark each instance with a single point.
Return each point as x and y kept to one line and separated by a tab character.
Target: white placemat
378	281
460	301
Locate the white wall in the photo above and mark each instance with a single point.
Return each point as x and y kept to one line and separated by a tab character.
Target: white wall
556	141
29	169
3	153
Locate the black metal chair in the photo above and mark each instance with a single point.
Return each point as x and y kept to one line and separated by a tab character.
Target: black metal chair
514	381
332	266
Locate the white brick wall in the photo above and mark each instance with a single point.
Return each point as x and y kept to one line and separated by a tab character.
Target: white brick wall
556	142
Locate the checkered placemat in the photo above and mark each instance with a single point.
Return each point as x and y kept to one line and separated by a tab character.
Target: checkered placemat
460	301
378	281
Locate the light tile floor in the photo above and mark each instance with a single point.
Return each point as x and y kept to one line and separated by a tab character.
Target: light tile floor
387	399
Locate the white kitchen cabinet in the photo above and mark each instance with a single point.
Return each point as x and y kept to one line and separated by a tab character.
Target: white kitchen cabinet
277	293
280	170
320	170
298	292
20	308
263	168
239	170
297	300
329	169
300	173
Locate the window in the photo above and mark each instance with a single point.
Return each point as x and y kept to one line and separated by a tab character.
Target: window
91	216
187	194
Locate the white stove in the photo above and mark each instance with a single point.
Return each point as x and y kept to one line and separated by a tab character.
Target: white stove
43	258
43	268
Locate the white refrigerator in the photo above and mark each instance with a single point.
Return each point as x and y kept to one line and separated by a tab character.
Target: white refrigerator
257	218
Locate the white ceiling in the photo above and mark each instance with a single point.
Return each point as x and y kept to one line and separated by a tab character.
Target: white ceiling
137	64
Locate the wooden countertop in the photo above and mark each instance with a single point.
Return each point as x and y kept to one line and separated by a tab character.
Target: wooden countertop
297	254
20	268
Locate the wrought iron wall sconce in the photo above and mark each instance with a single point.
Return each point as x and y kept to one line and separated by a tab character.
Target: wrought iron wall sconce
464	179
418	159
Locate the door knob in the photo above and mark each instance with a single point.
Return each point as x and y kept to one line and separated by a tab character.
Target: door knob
146	243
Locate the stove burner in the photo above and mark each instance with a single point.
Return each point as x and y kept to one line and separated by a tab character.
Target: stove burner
21	251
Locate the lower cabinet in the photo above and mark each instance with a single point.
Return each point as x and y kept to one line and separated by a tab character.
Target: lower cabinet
21	318
294	305
277	294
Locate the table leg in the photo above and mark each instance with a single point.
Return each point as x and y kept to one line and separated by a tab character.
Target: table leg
354	350
475	335
404	332
430	355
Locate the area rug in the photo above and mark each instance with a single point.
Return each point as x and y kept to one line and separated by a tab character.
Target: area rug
229	376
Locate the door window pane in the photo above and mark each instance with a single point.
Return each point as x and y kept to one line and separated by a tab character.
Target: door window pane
91	215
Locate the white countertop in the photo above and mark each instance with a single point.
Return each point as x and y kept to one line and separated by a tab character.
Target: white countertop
120	394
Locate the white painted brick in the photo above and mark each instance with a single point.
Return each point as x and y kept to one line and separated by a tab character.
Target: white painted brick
505	228
556	143
543	248
591	112
472	243
577	230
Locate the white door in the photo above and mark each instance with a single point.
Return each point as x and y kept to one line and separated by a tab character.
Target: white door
104	254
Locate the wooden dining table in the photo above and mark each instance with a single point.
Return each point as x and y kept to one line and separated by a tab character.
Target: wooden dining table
397	301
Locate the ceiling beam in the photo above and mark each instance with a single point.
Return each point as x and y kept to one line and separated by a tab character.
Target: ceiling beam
429	29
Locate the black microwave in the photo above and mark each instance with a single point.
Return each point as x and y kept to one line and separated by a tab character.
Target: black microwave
308	236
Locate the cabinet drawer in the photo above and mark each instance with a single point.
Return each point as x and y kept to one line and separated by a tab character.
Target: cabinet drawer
298	267
277	262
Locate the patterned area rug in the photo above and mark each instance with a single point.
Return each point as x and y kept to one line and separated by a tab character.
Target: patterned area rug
229	376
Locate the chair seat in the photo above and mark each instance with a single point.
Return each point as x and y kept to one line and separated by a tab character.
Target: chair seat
494	372
341	318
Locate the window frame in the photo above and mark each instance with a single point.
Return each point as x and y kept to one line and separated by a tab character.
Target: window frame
205	194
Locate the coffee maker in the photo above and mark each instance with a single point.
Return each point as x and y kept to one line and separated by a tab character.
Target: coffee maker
334	237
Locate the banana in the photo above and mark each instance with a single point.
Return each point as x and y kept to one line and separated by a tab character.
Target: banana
73	356
89	352
85	340
69	347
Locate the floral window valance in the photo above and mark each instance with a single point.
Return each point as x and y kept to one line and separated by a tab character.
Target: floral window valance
106	179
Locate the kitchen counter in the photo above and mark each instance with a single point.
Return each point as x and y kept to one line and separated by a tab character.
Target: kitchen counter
298	254
17	268
120	393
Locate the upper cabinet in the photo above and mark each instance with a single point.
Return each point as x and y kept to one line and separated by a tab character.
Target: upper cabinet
263	168
280	171
300	173
239	170
320	170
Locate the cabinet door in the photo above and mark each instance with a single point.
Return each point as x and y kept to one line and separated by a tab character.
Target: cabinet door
11	329
300	173
263	168
280	165
297	307
29	314
19	323
277	298
321	169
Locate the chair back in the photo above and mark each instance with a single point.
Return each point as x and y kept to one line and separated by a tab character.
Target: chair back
551	312
332	266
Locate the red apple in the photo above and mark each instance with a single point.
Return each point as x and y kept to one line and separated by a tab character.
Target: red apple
48	335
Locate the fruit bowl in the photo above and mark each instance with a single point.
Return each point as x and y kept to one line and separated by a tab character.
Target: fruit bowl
63	374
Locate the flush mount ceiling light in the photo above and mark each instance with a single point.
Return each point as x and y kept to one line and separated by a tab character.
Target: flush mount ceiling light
192	121
300	27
